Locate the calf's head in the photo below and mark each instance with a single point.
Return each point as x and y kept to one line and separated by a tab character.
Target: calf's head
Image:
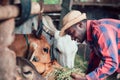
41	50
26	70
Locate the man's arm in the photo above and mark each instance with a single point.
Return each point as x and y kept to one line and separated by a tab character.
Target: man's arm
93	62
108	49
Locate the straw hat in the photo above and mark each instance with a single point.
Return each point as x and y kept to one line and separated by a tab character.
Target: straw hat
70	19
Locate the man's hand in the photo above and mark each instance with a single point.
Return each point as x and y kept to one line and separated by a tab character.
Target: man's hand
77	77
118	76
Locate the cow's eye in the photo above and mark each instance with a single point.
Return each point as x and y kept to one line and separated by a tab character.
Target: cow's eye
46	50
28	72
57	50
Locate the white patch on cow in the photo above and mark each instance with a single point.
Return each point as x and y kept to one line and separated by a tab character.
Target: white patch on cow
66	48
34	45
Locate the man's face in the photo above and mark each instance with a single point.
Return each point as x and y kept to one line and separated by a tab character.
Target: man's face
77	32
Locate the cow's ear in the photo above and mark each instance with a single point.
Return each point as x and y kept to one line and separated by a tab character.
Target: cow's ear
57	35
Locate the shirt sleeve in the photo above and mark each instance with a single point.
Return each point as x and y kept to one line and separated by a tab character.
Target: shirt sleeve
93	62
108	50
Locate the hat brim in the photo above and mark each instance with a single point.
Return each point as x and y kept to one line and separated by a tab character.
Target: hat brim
72	22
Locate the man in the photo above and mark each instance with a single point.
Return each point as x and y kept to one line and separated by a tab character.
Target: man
103	37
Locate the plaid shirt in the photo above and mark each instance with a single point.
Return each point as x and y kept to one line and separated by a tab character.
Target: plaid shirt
103	37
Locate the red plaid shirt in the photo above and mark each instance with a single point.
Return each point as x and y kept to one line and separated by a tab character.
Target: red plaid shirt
103	37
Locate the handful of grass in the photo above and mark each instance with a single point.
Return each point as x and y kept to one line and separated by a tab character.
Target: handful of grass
64	73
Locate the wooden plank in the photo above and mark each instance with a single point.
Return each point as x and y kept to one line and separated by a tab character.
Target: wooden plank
96	4
52	7
11	11
66	7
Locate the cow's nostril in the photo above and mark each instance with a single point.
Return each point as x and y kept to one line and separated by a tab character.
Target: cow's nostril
46	50
35	59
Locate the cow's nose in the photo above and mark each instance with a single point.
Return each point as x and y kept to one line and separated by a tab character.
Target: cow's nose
35	59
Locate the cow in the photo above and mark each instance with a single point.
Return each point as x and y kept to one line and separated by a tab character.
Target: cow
37	51
65	48
19	68
13	68
39	47
26	70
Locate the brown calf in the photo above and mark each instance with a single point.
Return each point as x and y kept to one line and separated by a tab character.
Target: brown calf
38	51
26	70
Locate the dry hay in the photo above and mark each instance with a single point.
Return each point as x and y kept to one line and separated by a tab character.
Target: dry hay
63	74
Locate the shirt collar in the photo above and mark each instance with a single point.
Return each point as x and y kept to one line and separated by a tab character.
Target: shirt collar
89	30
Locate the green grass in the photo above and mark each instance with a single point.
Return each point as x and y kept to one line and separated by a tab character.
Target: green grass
64	73
80	63
80	68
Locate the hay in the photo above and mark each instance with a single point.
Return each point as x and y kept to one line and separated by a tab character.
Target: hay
63	74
